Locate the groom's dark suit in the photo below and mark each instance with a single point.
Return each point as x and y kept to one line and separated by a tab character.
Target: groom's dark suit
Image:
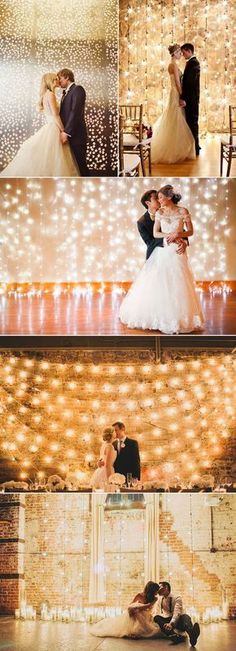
127	460
145	227
191	95
72	115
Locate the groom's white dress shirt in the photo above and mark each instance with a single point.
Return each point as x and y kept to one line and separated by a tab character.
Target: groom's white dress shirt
119	441
171	606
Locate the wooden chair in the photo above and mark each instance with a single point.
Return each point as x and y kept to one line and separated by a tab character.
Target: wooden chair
228	149
132	115
129	163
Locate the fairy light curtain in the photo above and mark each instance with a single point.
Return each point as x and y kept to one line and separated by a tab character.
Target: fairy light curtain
97	566
148	27
37	37
54	406
91	224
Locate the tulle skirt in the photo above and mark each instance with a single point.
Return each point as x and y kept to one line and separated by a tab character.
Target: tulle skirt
172	139
163	296
126	626
43	155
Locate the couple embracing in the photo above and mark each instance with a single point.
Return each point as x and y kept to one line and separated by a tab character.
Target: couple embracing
59	147
118	454
175	134
163	296
141	621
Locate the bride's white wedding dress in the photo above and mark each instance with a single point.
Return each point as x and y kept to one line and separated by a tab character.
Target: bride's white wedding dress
172	139
125	626
43	153
99	477
163	296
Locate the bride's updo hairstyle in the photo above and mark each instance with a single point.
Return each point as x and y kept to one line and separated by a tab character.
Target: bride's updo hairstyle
107	434
47	83
173	48
150	591
170	192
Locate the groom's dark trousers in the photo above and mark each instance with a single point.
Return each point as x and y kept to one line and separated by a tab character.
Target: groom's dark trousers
183	624
72	115
191	95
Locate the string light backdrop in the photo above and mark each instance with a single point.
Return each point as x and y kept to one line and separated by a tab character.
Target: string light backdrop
91	225
55	405
38	37
148	27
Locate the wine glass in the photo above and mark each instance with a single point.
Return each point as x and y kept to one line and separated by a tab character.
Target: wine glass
129	479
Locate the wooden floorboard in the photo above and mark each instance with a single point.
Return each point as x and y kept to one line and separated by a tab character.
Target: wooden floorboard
97	314
205	165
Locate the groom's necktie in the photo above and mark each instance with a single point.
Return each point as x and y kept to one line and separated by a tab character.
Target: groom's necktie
63	94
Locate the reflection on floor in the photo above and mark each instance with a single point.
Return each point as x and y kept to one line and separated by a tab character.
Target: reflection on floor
58	636
94	313
206	164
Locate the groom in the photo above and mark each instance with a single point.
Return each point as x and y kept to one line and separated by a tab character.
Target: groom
127	460
145	224
72	116
191	91
172	620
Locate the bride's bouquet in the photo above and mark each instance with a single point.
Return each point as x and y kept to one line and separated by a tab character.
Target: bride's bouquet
117	479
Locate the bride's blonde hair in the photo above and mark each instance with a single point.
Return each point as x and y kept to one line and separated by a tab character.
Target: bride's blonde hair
47	82
107	434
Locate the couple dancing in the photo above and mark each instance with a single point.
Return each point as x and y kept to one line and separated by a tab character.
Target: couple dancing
175	134
118	453
163	296
59	147
139	620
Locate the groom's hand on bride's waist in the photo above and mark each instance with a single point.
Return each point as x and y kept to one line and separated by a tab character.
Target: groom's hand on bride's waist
182	103
100	463
181	246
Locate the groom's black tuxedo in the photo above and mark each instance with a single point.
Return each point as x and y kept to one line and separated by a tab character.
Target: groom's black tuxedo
191	95
145	228
128	460
72	115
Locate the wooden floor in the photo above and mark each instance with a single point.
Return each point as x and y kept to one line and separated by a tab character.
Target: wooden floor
58	636
205	165
97	314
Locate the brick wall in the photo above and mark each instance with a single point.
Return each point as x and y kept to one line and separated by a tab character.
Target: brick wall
12	514
183	428
53	563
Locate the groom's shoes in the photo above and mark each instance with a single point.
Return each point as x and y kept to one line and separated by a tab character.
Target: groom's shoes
194	635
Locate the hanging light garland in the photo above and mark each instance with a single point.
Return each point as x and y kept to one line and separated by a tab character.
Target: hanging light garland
209	26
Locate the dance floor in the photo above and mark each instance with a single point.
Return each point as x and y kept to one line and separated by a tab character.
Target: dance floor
44	636
207	164
94	313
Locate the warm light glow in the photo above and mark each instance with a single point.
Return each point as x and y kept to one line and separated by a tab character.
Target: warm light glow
146	31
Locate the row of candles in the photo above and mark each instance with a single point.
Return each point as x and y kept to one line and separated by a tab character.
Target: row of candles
62	614
90	614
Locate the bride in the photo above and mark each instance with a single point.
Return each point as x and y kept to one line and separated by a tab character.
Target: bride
107	459
136	621
163	296
172	139
43	154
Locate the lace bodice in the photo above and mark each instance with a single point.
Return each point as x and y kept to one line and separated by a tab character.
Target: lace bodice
171	223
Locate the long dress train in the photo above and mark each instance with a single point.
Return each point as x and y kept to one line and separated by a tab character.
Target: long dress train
163	296
172	139
141	625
